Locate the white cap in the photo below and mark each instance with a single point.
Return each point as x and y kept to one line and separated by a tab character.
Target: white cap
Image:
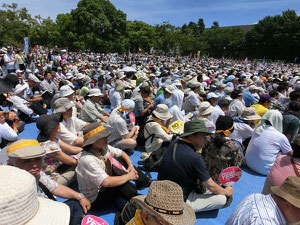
212	95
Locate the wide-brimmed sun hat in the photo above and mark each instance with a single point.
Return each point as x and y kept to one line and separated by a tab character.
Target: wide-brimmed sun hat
162	112
95	92
33	78
205	108
289	190
250	114
194	126
93	132
165	201
20	204
62	105
19	88
119	85
65	90
212	95
170	88
25	149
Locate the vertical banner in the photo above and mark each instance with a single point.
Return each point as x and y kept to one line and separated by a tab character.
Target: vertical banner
26	44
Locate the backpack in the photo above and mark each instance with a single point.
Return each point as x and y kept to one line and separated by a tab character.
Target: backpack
152	163
128	212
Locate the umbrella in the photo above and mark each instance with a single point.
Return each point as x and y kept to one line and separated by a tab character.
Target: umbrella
129	69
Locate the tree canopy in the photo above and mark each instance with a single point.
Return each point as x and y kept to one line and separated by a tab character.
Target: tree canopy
98	26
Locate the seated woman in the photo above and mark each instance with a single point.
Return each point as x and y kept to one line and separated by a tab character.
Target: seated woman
120	136
96	178
244	126
266	143
7	134
156	132
284	167
220	151
59	165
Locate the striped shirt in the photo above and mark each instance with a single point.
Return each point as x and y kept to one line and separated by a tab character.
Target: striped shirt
257	209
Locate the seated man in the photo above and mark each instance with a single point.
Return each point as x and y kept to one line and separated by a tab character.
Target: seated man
120	136
28	155
188	167
281	207
47	84
163	196
71	127
91	110
7	134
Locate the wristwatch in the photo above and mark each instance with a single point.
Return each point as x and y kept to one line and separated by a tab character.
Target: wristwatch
130	162
79	197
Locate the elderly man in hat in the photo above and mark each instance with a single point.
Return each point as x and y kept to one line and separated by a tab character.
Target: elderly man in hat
28	155
282	207
188	167
91	110
71	126
163	205
116	95
97	175
120	136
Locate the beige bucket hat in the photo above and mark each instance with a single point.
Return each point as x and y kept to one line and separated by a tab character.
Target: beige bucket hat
250	114
162	112
20	204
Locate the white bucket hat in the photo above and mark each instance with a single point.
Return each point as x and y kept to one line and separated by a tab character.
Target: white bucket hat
95	92
162	112
62	105
80	76
205	108
20	204
211	95
19	88
33	78
65	90
170	88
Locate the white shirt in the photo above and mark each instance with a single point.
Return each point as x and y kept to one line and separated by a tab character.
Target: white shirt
257	209
159	136
28	92
70	129
215	114
11	65
115	99
20	104
241	132
236	108
118	125
91	172
263	149
7	133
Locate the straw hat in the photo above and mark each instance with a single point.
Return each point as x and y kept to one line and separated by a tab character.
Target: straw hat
62	105
250	114
205	108
162	112
20	204
289	190
65	90
165	200
93	132
25	149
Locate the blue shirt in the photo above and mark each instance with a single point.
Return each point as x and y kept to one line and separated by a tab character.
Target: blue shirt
248	99
159	100
256	209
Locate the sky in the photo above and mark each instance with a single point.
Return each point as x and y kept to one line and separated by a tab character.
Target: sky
176	12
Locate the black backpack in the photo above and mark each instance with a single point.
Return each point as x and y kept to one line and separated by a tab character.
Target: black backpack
152	163
128	212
